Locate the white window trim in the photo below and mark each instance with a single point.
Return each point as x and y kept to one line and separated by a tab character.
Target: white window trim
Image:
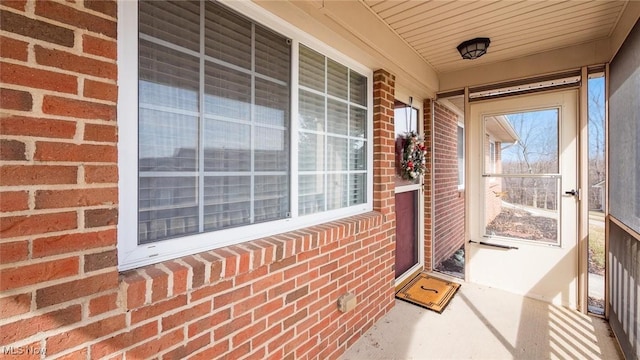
130	254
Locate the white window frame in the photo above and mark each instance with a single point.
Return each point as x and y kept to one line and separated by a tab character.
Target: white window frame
130	254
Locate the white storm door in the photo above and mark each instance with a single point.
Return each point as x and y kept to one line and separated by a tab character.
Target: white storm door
523	195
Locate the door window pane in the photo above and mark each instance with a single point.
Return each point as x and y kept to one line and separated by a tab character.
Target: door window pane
529	142
522	178
405	120
523	208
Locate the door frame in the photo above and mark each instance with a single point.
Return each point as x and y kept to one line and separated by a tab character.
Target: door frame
403	96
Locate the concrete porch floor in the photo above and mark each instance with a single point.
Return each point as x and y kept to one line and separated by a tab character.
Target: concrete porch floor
485	323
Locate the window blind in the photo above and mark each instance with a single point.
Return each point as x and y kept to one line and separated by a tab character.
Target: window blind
213	120
332	134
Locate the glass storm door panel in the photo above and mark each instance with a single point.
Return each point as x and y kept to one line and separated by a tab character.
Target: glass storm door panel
523	169
521	176
408	198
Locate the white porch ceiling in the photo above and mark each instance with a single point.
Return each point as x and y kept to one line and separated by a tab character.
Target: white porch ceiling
416	40
517	29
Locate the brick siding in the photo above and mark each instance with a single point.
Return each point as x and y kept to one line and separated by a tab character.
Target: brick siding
60	289
428	188
448	217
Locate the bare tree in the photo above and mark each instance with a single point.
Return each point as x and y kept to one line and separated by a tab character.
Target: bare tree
536	152
596	141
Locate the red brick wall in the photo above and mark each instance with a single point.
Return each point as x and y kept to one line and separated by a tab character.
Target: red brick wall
428	188
60	290
448	217
384	145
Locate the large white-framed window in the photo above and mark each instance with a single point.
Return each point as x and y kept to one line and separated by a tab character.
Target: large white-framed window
243	127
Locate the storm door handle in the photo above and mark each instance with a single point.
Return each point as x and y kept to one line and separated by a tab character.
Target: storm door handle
573	192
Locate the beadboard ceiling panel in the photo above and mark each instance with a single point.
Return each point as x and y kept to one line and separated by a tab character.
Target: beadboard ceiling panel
517	29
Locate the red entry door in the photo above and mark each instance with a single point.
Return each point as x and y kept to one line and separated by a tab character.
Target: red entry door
406	231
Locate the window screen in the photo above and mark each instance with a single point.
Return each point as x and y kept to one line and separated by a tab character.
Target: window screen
214	119
624	133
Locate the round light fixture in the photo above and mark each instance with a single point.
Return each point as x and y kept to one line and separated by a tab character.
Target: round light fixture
474	48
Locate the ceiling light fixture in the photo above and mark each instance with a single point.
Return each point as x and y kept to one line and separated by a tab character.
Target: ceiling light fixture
474	48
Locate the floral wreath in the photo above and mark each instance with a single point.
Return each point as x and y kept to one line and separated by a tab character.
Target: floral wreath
414	156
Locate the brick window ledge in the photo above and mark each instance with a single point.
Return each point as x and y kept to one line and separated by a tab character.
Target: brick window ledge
210	272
